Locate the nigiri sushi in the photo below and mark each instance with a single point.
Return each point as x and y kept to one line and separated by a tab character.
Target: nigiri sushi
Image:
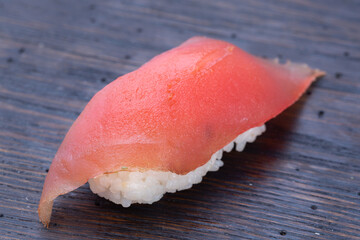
162	127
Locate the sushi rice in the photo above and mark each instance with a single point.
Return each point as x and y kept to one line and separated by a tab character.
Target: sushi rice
127	187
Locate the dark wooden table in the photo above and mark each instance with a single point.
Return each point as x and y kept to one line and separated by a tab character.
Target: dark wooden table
300	180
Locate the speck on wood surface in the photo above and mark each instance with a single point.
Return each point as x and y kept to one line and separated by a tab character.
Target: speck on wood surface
300	180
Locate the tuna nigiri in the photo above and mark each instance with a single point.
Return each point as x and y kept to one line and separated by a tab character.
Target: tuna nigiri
162	127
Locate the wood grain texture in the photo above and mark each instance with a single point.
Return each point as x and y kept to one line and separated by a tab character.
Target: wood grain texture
300	180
